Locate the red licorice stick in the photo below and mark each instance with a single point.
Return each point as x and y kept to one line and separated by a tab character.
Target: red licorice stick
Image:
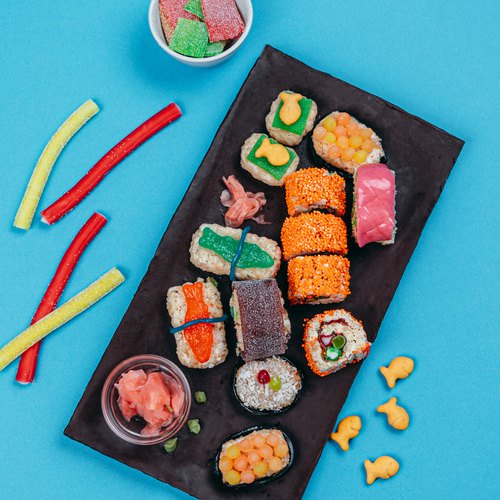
114	156
27	365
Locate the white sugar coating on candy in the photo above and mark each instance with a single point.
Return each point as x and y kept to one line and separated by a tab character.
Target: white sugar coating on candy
51	152
170	12
75	306
223	19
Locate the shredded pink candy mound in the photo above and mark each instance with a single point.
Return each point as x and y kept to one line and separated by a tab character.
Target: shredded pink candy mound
374	218
153	396
223	19
242	204
170	11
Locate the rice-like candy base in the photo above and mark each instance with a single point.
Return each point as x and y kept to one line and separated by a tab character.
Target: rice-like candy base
176	306
211	262
311	233
310	189
261	397
321	147
318	279
286	137
258	172
340	322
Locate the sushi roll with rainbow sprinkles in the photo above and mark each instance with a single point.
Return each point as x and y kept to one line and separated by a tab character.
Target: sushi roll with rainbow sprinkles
332	340
291	117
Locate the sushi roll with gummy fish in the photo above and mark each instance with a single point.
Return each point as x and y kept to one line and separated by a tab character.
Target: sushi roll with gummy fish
346	143
312	233
318	279
315	189
254	456
213	248
202	345
260	319
373	210
268	161
291	117
332	340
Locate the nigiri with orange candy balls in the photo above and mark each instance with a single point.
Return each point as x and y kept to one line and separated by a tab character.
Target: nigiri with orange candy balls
346	143
254	456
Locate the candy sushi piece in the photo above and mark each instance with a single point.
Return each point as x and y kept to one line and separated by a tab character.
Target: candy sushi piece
346	143
313	232
267	160
194	6
270	385
315	189
214	247
373	209
260	318
254	456
223	19
291	117
190	38
170	12
332	340
202	345
318	279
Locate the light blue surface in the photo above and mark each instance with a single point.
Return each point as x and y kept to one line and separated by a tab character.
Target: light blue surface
438	60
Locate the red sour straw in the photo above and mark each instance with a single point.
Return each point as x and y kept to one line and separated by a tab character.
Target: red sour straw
27	366
96	174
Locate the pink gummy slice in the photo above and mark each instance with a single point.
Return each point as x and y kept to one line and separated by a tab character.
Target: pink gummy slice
170	11
223	19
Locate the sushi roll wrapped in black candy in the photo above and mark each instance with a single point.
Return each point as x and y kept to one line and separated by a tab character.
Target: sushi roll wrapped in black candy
267	160
346	143
267	386
334	339
202	345
213	248
260	319
291	117
254	457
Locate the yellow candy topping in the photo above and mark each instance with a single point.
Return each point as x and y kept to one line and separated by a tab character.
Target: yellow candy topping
290	111
276	154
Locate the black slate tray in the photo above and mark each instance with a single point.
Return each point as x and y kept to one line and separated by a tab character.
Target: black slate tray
422	157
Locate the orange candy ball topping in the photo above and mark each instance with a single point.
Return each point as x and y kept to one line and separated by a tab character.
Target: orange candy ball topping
343	118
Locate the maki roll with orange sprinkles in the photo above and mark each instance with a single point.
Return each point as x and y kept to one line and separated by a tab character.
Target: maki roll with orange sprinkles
318	279
315	189
312	233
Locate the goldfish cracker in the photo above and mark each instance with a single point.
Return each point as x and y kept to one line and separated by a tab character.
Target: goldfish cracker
348	429
399	367
290	111
382	468
276	154
397	416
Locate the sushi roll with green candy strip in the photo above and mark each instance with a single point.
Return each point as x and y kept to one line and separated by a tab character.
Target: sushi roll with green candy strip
213	248
268	161
291	117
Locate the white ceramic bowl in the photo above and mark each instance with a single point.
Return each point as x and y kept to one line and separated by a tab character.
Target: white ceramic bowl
246	10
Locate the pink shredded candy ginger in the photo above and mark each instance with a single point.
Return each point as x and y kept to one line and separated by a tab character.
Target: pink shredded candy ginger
150	396
242	204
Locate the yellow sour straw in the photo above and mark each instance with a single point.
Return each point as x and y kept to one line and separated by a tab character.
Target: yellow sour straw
76	305
49	155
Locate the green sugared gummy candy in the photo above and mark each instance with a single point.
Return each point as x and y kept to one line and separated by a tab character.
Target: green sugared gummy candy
190	38
194	6
215	48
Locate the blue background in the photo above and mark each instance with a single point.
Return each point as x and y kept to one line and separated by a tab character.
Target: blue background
438	60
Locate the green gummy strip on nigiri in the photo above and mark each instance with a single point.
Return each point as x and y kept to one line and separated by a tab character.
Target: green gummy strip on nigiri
79	303
190	38
252	255
194	6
